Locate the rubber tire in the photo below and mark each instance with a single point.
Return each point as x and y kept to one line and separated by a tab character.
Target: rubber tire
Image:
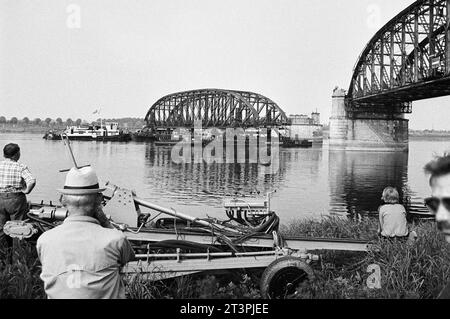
275	270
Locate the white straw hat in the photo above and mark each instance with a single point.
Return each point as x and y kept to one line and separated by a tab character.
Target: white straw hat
81	181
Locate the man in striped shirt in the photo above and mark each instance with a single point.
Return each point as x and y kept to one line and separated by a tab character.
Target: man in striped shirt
15	182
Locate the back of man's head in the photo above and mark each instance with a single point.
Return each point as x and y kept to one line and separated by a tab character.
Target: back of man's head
11	150
82	205
438	167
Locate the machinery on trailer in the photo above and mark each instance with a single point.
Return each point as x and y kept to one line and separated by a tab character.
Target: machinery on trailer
178	244
169	243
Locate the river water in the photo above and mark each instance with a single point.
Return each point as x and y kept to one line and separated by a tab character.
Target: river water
310	183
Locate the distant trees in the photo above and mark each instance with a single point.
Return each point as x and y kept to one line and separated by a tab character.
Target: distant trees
59	123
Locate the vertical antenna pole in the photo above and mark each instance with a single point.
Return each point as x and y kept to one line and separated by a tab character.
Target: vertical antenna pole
70	150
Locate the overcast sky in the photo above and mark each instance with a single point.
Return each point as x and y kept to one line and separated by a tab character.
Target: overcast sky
123	55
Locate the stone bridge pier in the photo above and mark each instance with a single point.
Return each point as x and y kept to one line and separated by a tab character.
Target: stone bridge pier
366	131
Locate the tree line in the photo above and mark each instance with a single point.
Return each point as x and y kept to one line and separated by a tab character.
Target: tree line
128	122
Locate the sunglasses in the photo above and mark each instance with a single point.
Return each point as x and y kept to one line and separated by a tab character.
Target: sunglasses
433	203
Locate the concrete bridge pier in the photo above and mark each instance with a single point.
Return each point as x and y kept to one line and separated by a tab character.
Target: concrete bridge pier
366	131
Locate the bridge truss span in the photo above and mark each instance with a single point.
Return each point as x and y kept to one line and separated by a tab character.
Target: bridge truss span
407	60
215	108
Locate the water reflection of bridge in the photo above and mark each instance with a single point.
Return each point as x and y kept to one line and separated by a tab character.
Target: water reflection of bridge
204	185
358	179
354	181
207	182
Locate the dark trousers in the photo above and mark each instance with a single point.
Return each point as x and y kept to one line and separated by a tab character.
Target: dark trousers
13	206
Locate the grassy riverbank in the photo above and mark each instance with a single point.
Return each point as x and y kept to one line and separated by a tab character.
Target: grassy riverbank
407	271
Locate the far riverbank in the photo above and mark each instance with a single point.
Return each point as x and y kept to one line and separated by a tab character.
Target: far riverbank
30	129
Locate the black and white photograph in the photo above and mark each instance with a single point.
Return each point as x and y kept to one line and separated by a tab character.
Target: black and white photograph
225	155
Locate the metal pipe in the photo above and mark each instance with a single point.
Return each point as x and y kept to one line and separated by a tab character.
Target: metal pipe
176	214
70	149
196	255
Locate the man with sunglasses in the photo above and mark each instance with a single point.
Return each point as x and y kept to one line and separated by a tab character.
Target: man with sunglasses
439	203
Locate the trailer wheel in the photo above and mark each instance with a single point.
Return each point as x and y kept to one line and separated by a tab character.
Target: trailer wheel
281	279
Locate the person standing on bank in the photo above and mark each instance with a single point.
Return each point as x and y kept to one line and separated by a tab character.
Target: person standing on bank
16	182
393	223
81	259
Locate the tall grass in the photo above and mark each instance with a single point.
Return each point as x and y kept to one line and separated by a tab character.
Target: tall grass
218	286
419	270
19	273
332	227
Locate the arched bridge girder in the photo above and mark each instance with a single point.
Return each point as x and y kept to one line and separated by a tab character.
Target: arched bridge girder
223	109
407	60
268	111
215	108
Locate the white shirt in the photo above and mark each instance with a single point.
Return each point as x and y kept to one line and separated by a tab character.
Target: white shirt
81	260
393	221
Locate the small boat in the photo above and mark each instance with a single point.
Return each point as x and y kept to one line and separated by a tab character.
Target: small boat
143	135
294	143
52	136
167	142
108	131
175	141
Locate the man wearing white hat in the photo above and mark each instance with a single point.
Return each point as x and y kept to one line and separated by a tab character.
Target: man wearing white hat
80	258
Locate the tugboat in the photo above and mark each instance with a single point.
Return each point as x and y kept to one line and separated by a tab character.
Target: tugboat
108	131
143	135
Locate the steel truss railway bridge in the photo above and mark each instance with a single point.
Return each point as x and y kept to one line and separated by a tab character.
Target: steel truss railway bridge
407	60
215	108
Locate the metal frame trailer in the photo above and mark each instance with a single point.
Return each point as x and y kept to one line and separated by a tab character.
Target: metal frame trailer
164	266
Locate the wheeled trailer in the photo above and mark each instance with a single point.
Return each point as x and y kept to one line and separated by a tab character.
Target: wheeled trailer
193	245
